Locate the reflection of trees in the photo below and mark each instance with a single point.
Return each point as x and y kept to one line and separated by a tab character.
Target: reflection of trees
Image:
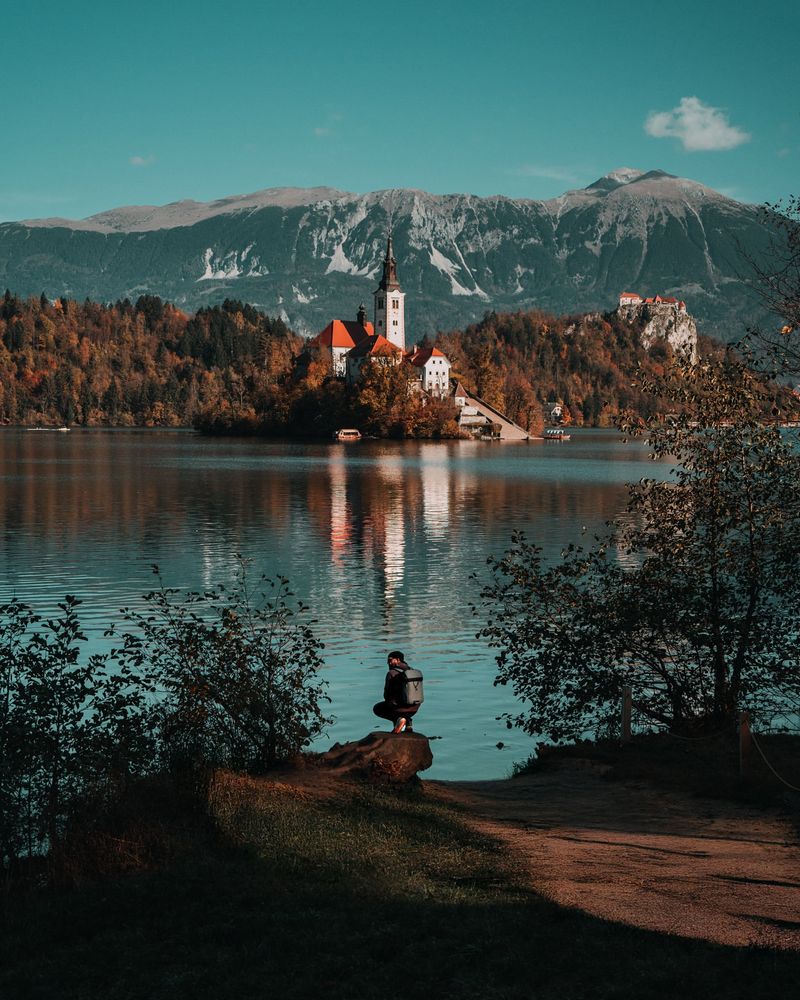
414	521
70	487
375	536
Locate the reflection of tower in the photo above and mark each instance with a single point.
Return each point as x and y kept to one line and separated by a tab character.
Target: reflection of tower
394	528
340	521
390	302
394	555
435	476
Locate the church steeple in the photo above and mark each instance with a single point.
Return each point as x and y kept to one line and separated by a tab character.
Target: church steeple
389	302
389	280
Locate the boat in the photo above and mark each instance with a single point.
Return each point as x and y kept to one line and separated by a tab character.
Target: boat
556	434
347	434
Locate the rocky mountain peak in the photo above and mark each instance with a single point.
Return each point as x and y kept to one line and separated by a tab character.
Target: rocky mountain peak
312	254
616	178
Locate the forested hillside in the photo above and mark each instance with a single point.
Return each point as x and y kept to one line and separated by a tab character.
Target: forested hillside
230	368
147	364
519	361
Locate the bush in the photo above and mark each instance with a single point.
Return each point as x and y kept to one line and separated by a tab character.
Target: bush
694	600
70	731
235	670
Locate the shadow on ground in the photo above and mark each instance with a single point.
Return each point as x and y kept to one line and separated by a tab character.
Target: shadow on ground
359	895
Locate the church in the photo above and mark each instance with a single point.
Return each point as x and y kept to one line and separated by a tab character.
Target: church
352	344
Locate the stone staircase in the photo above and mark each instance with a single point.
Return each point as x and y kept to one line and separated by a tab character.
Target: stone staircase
509	431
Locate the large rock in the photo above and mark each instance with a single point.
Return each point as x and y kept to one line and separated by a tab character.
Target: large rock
381	757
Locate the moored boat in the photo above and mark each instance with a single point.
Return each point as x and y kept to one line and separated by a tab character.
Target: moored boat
347	434
556	434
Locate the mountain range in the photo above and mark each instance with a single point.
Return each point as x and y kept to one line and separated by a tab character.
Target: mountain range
309	255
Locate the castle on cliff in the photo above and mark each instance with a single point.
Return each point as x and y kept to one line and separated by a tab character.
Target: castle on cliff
662	317
632	299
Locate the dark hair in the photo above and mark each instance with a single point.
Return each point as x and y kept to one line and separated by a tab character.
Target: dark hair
396	655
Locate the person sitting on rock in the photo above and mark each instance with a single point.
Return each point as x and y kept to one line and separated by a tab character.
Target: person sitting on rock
393	706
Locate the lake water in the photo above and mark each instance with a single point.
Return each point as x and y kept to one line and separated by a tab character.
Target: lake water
381	539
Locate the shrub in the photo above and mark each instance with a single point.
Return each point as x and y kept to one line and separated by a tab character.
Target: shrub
235	672
70	731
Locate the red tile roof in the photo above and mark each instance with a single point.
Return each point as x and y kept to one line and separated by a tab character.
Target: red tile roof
629	295
425	354
342	333
374	346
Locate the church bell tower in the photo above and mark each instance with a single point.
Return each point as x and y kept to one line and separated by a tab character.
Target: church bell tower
390	302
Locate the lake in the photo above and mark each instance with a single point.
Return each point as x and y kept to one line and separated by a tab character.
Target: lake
380	538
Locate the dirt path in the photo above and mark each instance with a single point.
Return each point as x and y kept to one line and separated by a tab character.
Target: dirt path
630	853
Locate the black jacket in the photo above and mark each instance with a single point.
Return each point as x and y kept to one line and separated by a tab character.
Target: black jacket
393	686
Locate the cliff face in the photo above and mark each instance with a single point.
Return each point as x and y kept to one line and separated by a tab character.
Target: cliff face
663	321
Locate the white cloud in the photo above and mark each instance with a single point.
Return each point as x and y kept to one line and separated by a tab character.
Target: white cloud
331	121
545	172
142	161
698	126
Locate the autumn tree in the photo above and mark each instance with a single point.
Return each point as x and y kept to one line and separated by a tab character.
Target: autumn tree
776	279
385	403
694	599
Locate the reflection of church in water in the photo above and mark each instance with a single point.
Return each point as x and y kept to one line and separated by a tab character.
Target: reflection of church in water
388	525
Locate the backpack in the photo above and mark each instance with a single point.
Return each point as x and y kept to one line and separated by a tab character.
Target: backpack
411	687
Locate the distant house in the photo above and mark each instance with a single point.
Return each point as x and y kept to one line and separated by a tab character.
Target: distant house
629	299
434	369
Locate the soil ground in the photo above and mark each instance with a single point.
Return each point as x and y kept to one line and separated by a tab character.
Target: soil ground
629	852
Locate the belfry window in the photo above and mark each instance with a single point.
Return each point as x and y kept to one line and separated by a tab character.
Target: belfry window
395	303
380	303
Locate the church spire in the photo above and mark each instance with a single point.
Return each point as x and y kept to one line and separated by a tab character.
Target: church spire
389	280
389	302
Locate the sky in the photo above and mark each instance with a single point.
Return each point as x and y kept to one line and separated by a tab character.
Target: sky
152	102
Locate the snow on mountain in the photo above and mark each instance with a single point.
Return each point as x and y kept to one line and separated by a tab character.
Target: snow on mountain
316	253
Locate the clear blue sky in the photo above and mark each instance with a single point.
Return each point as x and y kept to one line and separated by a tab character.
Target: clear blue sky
150	102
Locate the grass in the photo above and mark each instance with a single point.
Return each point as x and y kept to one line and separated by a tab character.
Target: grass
279	892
